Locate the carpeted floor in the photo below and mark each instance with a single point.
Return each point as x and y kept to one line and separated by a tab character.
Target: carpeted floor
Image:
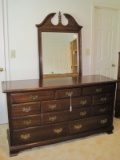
96	147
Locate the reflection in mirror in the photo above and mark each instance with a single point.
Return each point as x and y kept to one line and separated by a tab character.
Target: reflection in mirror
60	54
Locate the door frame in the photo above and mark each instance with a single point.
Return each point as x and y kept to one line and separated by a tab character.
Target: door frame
92	31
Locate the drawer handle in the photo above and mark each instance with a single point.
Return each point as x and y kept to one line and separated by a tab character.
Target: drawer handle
52	118
33	97
27	122
77	127
83	113
83	102
57	131
103	121
69	94
25	136
102	109
98	90
25	109
52	106
103	99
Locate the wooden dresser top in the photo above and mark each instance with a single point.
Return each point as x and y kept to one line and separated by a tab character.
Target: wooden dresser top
50	83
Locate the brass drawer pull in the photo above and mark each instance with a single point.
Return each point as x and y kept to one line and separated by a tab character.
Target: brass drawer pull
69	94
83	113
33	97
98	90
57	131
27	122
103	121
102	109
26	109
52	106
103	99
52	118
25	136
77	127
83	102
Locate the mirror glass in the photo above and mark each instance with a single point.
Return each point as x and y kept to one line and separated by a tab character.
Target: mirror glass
59	54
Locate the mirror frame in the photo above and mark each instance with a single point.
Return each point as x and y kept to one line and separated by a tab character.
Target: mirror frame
48	26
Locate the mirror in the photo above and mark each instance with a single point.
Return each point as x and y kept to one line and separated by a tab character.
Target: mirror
59	47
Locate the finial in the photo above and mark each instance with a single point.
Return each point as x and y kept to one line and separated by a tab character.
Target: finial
59	18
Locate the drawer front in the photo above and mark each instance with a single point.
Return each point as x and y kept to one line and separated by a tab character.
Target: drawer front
99	89
82	101
101	99
25	109
48	118
55	105
32	96
64	93
40	134
88	124
25	122
101	109
79	113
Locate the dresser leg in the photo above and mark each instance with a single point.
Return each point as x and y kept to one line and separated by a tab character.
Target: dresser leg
110	132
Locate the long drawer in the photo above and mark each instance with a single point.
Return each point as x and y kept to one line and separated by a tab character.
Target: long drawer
40	133
32	96
64	104
55	117
88	124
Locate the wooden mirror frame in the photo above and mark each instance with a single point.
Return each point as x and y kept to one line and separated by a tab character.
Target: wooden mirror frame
47	26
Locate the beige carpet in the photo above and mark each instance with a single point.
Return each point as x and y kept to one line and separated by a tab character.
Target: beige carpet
95	147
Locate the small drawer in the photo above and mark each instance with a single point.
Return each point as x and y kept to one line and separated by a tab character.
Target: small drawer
88	124
55	105
98	89
32	96
25	109
82	101
79	113
101	109
48	118
101	99
25	122
40	133
65	93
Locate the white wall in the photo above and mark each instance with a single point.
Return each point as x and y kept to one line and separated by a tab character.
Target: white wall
22	17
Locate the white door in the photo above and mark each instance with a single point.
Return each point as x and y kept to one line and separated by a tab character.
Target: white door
105	39
3	109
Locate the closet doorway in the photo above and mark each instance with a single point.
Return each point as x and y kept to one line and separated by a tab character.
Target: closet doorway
105	30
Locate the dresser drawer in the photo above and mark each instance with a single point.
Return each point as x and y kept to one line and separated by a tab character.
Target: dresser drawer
48	118
118	96
24	122
81	101
79	113
98	89
32	96
101	99
55	105
64	93
25	109
40	133
102	109
88	124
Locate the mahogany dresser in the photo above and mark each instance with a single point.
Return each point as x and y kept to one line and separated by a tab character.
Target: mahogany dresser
117	104
52	110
